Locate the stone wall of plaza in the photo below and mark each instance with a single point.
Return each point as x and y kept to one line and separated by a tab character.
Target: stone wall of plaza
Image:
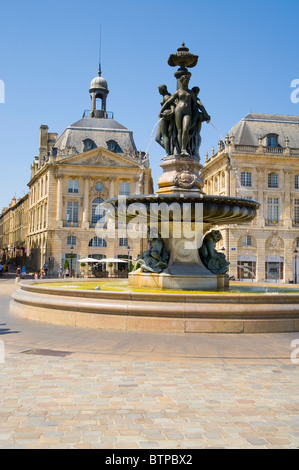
266	170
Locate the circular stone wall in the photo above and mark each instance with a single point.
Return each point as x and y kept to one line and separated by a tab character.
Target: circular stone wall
156	312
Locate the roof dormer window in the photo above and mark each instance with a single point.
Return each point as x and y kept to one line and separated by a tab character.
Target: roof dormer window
88	145
272	140
112	145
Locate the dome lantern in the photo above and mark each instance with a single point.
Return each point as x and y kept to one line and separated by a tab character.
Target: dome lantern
98	89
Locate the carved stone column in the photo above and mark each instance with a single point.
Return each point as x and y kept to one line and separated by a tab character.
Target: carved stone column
85	222
59	199
111	188
287	198
260	194
227	180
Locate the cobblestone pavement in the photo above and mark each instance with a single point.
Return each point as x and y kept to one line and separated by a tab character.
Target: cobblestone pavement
119	390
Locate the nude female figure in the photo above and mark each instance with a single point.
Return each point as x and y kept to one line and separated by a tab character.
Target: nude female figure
185	104
164	133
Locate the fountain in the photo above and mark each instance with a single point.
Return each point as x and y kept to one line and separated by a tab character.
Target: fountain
180	213
180	283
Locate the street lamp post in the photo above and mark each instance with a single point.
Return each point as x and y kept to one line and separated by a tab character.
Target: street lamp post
71	261
295	267
128	248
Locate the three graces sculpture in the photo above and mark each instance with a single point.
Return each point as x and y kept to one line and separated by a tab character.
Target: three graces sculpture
182	113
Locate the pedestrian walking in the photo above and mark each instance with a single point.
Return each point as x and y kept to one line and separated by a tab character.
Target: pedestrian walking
45	266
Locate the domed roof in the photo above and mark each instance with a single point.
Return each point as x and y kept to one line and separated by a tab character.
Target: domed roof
98	82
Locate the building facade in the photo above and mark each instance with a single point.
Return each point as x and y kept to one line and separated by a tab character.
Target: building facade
13	231
259	160
93	160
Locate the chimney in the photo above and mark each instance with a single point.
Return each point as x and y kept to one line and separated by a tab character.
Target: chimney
43	143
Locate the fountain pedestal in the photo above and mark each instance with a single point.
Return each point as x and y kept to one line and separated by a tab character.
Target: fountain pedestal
185	270
180	174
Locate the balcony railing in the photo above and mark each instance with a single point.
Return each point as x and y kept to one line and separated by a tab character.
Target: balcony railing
274	150
106	114
273	222
67	223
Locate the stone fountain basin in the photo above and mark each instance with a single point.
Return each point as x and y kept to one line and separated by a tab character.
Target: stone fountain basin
216	209
179	312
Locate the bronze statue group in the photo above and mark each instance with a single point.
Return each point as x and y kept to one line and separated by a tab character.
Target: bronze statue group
181	117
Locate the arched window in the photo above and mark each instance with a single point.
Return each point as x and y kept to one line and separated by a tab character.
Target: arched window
98	242
97	212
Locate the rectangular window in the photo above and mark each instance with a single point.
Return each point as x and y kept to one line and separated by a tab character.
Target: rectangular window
296	211
272	141
296	181
246	178
124	189
71	240
272	180
73	186
223	180
72	211
123	242
216	185
248	240
273	210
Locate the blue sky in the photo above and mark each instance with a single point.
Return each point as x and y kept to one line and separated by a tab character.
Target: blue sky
248	56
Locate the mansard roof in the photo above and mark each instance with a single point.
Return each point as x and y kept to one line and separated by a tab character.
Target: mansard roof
251	127
98	130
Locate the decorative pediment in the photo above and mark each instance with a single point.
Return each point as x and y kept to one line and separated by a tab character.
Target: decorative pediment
100	157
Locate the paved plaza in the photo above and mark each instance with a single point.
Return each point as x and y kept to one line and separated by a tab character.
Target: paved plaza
66	387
